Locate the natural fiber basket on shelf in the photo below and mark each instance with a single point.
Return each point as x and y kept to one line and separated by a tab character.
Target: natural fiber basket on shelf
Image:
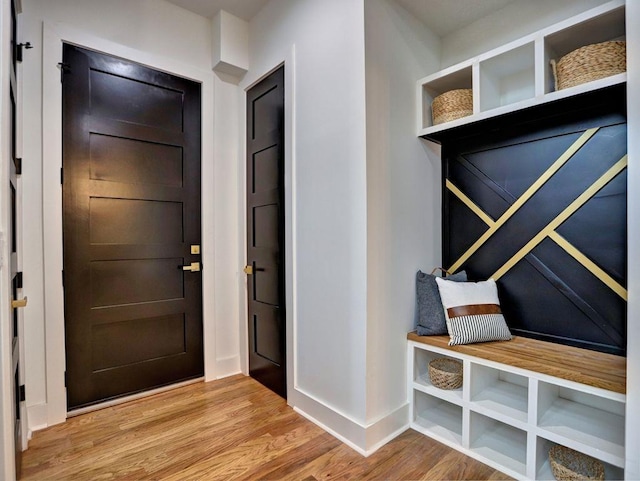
445	373
452	105
589	63
570	465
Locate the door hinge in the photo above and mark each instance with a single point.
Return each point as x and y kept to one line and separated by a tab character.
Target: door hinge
61	176
18	163
18	280
64	68
20	49
63	278
65	379
23	393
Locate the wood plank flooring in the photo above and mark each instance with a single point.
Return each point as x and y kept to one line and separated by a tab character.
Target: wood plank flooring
232	429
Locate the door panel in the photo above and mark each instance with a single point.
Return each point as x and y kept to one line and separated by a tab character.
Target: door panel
119	282
133	100
131	196
265	232
130	221
265	281
265	172
267	329
133	161
116	344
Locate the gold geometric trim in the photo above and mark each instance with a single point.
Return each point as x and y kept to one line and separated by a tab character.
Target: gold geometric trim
607	177
525	197
589	265
469	203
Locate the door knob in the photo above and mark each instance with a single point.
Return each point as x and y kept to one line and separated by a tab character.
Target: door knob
248	270
16	303
193	267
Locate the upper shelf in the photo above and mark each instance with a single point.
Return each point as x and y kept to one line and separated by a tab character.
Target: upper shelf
518	75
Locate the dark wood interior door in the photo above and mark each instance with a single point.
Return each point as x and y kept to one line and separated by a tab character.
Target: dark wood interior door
131	200
265	232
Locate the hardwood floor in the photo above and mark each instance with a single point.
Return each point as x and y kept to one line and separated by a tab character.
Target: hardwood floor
228	429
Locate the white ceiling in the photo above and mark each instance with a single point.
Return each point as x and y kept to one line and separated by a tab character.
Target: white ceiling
441	16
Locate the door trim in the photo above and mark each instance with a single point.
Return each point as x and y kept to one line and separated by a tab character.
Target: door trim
54	36
288	59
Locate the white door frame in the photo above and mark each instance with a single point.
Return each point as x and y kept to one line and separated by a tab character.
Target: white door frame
54	36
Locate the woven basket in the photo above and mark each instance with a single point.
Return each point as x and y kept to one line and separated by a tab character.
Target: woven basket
589	63
452	105
445	373
570	465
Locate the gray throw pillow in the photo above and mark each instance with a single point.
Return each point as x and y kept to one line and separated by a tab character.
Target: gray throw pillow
431	318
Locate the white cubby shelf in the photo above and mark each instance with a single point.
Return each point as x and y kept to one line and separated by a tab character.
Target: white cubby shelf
518	75
508	417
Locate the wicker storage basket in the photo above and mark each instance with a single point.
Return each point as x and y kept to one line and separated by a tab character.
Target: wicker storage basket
591	62
445	373
570	465
452	105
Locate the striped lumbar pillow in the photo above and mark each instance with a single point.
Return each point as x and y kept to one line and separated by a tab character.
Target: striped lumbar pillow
472	310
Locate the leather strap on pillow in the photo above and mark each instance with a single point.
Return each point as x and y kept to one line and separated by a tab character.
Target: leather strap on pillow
473	310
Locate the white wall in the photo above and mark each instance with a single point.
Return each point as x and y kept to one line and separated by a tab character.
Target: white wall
322	45
403	197
516	20
149	31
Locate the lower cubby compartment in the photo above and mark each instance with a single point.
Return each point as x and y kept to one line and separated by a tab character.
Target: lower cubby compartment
499	392
438	418
421	362
499	442
543	466
594	423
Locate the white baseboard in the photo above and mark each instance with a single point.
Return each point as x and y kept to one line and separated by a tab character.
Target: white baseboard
37	417
386	428
226	367
363	438
334	433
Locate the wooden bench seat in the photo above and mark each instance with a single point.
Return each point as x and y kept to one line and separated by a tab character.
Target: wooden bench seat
597	369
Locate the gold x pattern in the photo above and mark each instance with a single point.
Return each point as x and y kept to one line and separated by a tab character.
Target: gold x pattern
550	229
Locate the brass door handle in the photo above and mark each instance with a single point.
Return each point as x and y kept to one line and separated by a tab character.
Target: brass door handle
16	303
250	270
193	267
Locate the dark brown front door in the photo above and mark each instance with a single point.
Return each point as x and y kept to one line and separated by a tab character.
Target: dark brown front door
265	232
131	199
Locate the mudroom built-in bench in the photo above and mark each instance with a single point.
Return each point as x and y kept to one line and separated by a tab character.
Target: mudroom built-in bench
518	399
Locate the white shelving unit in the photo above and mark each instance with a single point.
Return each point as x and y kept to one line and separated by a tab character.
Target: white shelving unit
518	75
509	418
